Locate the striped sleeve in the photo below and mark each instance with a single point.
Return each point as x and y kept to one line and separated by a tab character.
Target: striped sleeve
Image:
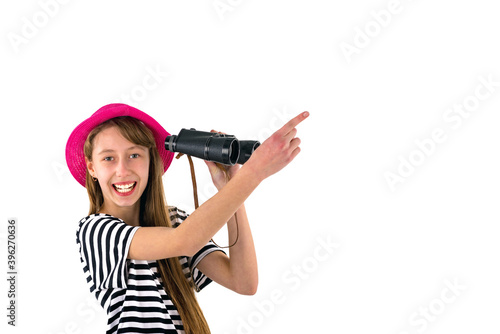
189	264
104	244
199	279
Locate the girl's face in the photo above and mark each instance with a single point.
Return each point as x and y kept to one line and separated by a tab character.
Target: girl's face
122	170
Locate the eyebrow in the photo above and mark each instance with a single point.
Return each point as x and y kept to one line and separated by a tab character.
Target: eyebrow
128	149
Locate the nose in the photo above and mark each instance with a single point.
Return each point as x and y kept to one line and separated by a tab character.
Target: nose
122	167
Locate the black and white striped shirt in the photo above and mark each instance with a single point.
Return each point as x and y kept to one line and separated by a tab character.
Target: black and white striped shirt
131	291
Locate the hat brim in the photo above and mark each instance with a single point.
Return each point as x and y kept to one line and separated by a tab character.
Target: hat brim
74	147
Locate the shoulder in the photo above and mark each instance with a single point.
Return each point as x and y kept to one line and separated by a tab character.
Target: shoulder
96	222
98	218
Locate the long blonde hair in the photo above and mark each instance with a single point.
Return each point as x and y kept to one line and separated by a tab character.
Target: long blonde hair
153	212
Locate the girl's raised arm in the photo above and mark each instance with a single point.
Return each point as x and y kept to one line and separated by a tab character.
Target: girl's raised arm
153	243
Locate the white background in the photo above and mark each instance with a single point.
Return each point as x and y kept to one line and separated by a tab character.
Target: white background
245	69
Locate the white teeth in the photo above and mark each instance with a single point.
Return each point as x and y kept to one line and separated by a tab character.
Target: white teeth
124	188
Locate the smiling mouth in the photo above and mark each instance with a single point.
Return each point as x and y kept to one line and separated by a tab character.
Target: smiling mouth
124	188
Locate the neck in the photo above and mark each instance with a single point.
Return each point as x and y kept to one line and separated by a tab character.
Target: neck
129	215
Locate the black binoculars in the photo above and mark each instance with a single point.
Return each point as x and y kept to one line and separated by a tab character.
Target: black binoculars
211	146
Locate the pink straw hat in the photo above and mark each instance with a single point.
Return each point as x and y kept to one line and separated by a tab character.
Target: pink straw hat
74	147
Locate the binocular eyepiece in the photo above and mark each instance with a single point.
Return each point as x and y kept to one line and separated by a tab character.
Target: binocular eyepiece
211	146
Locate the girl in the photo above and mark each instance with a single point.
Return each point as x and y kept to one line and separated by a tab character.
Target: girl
143	260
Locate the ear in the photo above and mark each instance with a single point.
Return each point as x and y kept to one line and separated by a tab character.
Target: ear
90	167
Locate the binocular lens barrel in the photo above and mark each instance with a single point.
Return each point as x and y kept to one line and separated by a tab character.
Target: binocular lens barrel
225	150
210	146
246	149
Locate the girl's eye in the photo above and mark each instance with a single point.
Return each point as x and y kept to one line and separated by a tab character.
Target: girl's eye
135	155
108	158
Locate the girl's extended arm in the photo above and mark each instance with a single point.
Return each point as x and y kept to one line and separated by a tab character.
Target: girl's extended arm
153	243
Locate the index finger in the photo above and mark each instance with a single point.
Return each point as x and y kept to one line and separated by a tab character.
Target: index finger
293	123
